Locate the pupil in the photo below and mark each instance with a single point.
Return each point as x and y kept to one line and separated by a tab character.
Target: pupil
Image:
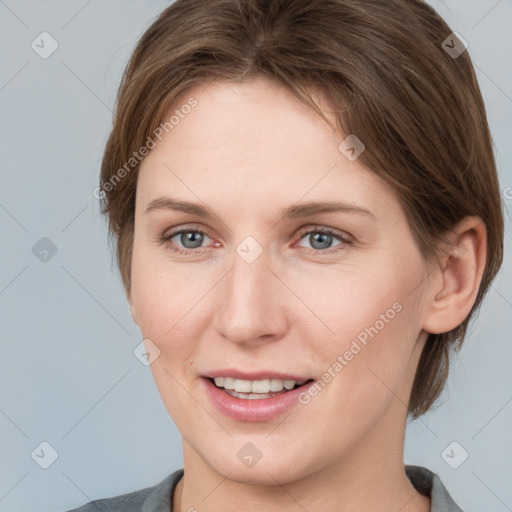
191	236
325	237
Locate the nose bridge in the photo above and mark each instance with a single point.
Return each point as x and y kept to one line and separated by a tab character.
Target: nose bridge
249	303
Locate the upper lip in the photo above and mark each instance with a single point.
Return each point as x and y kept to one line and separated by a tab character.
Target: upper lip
260	375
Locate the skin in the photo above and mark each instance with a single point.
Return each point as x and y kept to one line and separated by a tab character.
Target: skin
247	151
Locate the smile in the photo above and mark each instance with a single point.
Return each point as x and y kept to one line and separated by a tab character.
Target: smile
254	400
256	389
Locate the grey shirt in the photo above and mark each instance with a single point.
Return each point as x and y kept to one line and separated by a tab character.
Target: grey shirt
159	498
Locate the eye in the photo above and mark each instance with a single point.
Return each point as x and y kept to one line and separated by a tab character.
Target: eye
321	240
187	240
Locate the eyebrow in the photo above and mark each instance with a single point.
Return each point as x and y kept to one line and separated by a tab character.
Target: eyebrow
291	212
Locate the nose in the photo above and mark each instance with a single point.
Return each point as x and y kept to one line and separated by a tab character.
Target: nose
252	302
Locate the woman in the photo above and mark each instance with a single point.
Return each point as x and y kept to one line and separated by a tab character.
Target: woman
307	214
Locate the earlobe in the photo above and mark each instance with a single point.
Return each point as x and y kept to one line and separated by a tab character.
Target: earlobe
462	266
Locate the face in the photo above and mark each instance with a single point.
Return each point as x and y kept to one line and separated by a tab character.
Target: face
259	281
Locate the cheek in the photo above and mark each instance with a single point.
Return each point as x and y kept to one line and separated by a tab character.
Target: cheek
166	312
167	306
369	330
357	302
165	300
162	293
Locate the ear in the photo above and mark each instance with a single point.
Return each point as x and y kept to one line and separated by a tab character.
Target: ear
461	266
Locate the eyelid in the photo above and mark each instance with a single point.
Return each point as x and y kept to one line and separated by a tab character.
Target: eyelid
185	227
314	228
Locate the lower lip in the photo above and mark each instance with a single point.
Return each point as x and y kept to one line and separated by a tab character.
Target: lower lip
258	410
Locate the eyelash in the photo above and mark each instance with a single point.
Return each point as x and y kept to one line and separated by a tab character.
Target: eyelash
166	239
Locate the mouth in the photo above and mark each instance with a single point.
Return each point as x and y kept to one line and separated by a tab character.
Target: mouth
257	389
264	400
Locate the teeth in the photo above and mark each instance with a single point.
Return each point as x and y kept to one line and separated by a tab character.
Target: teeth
243	386
256	386
229	383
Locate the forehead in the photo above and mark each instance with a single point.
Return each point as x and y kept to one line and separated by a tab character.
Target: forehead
256	115
256	140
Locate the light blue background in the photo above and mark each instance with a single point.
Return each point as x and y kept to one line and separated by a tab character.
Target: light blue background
67	369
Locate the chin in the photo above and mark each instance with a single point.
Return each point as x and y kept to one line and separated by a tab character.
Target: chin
274	469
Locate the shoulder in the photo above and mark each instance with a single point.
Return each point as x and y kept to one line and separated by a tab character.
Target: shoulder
148	499
429	484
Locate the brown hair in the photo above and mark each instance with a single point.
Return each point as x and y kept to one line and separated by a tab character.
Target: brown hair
382	67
